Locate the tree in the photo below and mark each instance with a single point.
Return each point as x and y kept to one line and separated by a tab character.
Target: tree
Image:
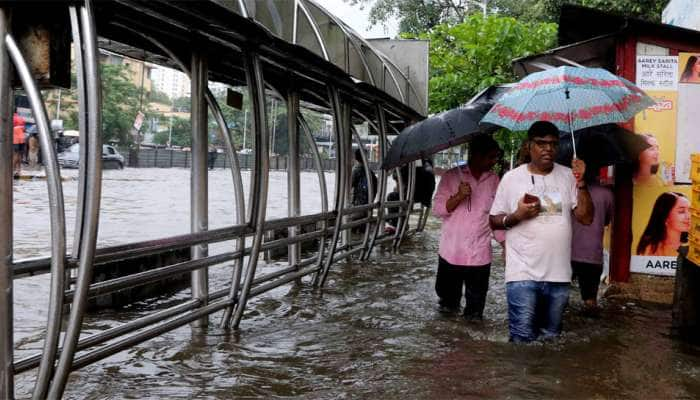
181	132
418	16
468	57
182	104
156	96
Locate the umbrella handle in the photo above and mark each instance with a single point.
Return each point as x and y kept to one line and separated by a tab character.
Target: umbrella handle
571	129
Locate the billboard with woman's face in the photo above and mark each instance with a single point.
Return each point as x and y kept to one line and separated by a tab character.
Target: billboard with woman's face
688	131
661	204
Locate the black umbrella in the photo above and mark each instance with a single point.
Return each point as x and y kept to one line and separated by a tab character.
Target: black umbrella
447	129
603	145
437	133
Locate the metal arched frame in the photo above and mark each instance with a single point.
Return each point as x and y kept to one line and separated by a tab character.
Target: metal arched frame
57	217
370	191
383	177
341	177
259	190
91	175
322	184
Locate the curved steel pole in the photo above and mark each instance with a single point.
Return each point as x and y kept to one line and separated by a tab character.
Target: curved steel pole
82	127
370	191
7	373
341	178
411	189
57	214
260	186
48	358
92	203
383	177
322	183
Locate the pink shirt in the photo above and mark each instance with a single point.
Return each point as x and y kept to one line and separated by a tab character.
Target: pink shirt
465	238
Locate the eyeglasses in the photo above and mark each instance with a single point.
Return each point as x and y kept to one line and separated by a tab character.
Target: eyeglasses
543	144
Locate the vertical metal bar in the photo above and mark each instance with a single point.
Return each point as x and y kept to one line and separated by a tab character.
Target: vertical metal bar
93	187
409	208
324	194
382	179
348	163
293	174
341	181
370	191
82	127
199	191
262	166
402	198
7	378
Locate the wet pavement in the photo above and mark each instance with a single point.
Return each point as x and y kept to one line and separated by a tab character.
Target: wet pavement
374	331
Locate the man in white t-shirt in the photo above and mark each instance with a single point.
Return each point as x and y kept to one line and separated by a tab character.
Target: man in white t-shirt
535	203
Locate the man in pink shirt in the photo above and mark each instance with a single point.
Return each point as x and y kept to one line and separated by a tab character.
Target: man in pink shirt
463	201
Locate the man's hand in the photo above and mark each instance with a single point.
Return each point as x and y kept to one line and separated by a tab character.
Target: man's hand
527	211
578	167
464	190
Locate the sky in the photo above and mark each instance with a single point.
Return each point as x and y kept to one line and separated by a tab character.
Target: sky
359	19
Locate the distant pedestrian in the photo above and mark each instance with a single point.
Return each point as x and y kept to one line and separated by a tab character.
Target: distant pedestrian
33	152
463	199
361	188
211	157
587	244
17	144
534	203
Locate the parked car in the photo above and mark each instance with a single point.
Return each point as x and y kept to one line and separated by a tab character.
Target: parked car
111	159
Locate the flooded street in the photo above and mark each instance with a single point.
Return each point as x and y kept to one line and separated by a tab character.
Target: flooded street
372	332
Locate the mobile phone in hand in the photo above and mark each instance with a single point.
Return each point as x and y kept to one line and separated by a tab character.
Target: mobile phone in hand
529	198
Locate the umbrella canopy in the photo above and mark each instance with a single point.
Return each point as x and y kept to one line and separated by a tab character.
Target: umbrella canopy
603	145
437	133
571	98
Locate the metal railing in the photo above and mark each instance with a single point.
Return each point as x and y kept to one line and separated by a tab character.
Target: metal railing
332	225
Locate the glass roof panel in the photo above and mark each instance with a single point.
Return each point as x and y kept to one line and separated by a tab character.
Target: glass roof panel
376	66
277	16
306	36
332	35
355	66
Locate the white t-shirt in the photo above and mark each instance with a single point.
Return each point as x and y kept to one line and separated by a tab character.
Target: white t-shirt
538	249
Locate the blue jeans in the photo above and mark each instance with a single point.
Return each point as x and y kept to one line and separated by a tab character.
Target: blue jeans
535	309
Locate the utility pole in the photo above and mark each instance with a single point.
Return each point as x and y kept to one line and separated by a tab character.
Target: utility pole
245	126
170	133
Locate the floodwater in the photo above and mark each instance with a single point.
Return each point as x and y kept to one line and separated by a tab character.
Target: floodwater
372	332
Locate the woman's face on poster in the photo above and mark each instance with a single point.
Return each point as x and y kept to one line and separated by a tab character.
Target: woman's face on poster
649	158
696	67
679	218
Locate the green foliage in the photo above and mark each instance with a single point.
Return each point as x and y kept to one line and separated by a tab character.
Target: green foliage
182	104
158	97
645	9
417	16
181	132
468	57
120	104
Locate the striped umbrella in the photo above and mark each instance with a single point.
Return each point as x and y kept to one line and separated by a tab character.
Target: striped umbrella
571	98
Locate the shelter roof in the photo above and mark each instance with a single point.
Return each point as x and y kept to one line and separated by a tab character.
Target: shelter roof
293	36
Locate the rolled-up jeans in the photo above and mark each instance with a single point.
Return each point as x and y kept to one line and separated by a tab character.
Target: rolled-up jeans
535	309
